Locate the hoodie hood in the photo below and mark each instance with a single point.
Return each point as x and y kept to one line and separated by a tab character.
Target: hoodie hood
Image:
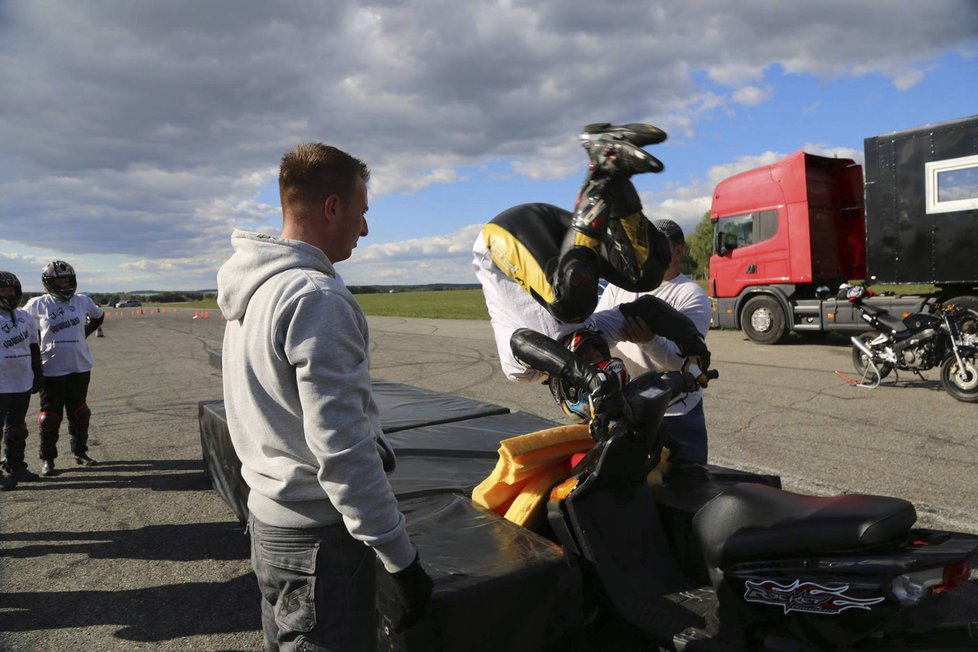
258	257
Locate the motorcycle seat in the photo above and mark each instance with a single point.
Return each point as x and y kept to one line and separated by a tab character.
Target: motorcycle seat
753	521
895	324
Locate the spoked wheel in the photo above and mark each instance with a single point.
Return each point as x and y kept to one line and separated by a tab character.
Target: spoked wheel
961	381
862	362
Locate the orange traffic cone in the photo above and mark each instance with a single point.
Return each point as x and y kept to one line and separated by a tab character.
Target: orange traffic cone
196	314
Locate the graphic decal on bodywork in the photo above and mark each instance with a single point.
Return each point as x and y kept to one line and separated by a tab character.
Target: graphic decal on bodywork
806	597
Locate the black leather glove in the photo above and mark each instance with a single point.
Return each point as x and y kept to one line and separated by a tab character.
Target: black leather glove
413	588
605	387
671	324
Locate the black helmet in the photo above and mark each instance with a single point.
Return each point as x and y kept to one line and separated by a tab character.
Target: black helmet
9	280
59	269
592	348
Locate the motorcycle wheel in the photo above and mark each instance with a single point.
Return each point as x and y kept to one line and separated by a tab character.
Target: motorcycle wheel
861	362
966	388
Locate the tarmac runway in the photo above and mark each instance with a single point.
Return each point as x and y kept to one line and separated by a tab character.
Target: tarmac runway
139	553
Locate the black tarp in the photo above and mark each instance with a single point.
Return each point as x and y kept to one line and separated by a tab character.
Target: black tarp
497	586
426	428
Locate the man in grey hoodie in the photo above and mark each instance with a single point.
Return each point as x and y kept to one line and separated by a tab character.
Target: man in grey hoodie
303	421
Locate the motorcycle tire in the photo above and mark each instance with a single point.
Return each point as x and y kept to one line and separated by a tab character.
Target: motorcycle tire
861	363
964	389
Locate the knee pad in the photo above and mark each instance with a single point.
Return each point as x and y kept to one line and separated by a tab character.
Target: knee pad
81	415
48	422
575	286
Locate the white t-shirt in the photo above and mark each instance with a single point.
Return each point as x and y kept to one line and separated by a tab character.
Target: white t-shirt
511	308
17	332
62	324
659	353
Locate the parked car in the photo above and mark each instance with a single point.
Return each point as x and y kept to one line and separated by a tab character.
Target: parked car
129	303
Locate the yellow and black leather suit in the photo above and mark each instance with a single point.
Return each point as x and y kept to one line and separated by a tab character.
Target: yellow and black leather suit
558	256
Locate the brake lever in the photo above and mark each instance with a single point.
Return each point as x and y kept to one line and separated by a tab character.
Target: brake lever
695	376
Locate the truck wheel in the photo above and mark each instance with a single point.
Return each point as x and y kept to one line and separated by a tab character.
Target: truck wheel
860	361
763	320
961	383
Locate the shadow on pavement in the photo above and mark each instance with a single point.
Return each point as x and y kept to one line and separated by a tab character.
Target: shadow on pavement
154	614
189	542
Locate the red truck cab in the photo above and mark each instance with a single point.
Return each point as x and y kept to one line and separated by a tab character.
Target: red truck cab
799	220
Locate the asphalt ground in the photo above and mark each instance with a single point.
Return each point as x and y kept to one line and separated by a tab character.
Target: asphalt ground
139	553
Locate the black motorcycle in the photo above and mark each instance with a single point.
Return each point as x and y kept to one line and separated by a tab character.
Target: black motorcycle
942	336
725	560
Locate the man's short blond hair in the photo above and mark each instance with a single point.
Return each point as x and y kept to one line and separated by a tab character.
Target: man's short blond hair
312	172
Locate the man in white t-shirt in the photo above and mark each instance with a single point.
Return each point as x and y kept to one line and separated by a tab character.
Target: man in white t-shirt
65	320
20	375
646	350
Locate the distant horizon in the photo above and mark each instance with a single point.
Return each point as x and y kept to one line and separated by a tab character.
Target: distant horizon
467	286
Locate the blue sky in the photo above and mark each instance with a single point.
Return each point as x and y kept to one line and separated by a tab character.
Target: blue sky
143	132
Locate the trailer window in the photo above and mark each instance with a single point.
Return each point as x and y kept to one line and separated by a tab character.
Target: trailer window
747	229
952	185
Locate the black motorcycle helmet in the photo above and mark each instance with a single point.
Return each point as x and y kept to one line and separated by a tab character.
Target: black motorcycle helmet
52	279
593	349
10	280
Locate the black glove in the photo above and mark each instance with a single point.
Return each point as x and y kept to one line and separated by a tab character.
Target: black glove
38	384
671	324
604	388
413	588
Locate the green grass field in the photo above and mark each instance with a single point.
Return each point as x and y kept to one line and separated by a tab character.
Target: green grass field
446	304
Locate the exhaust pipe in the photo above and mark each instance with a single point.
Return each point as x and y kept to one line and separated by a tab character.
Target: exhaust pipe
859	344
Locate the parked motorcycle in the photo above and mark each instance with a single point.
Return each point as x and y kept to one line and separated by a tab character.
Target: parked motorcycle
944	336
712	562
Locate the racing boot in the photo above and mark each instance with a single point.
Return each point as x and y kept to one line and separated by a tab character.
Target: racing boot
47	468
636	133
14	442
617	150
78	420
7	483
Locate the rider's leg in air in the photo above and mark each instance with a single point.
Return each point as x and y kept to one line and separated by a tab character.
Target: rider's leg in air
607	200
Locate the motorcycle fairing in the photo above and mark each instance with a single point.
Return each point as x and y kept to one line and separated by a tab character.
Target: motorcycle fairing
869	604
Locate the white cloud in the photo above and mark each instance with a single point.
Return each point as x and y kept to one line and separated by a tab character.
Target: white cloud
751	95
147	131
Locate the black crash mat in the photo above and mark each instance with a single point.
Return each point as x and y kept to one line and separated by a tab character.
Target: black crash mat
497	585
401	407
405	406
214	358
477	437
220	460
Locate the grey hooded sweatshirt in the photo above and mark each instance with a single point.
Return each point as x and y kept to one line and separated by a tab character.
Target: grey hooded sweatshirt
297	392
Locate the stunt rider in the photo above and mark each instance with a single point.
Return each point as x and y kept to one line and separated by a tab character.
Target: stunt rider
539	265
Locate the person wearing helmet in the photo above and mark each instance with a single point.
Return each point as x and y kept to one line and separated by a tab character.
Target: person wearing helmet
65	319
592	348
643	350
539	265
20	375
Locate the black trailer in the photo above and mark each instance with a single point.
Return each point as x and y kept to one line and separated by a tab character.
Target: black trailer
921	198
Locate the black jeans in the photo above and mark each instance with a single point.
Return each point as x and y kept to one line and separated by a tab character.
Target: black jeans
64	394
13	413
